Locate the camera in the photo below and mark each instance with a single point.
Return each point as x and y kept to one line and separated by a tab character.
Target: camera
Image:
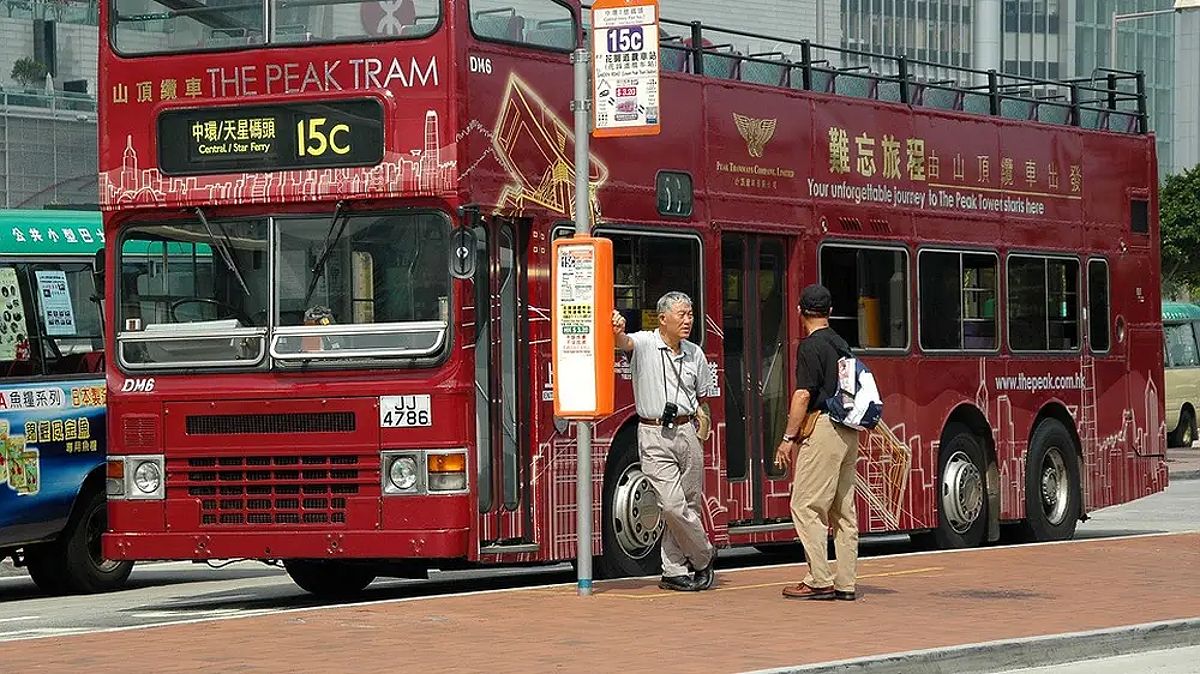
670	410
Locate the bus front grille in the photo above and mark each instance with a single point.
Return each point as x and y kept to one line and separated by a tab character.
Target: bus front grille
272	490
259	424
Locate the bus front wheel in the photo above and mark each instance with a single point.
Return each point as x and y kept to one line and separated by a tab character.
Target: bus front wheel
73	563
328	579
633	523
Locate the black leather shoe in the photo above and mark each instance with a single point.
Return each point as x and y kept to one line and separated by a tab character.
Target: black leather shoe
844	596
704	578
678	583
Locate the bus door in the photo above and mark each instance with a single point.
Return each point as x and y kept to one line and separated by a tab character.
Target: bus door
756	381
502	388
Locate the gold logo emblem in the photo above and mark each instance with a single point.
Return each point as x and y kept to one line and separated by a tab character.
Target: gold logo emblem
756	132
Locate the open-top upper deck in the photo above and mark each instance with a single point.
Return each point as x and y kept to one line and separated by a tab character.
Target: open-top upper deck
246	75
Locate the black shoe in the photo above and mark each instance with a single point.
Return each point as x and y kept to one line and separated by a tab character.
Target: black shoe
678	583
844	596
704	578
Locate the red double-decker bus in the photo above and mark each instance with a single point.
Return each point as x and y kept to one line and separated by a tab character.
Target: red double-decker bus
328	277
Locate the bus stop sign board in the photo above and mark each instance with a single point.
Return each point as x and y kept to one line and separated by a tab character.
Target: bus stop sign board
625	68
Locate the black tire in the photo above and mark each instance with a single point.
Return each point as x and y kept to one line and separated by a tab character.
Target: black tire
1052	488
624	554
73	563
329	579
962	490
1185	432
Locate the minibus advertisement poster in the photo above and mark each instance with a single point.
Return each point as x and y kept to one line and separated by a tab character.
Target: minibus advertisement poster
51	435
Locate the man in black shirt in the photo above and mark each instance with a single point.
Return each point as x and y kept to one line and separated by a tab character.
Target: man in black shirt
824	453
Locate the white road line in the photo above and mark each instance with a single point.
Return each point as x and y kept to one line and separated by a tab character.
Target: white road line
19	618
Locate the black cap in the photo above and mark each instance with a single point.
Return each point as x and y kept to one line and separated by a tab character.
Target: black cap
815	299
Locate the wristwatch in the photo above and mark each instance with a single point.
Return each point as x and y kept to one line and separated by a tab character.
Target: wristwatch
789	438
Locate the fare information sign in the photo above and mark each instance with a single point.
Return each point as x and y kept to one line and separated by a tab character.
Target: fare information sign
309	134
625	68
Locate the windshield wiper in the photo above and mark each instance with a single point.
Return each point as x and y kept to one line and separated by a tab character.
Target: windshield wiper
318	269
222	247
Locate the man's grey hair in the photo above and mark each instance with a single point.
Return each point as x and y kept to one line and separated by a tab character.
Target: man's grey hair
666	302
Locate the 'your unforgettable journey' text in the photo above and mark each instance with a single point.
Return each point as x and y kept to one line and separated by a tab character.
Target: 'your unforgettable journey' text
939	198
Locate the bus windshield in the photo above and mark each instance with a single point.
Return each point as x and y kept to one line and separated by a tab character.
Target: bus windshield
305	289
160	26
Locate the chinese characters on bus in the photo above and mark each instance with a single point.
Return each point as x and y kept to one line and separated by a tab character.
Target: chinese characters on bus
953	181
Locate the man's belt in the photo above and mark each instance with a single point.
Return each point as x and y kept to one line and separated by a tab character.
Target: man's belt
678	421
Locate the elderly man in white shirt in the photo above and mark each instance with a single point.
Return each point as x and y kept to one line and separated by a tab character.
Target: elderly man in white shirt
670	375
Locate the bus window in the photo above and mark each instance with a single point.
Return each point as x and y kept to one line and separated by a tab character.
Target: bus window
1181	345
1098	311
385	270
70	320
957	300
158	26
1043	303
536	23
16	357
870	294
646	267
193	294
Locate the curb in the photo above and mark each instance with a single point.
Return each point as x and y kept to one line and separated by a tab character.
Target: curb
1001	656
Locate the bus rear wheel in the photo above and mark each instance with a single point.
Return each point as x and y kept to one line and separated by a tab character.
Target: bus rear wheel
632	518
962	490
329	579
1052	493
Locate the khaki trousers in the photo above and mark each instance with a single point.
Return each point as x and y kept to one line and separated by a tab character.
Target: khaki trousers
673	461
823	494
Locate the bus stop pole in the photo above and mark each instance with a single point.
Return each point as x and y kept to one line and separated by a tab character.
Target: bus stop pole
581	105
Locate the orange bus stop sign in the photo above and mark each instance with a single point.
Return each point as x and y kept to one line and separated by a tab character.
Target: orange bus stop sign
581	326
625	68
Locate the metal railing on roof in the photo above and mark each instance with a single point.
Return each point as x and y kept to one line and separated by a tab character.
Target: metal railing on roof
1109	100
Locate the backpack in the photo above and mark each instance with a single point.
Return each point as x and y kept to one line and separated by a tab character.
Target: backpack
856	404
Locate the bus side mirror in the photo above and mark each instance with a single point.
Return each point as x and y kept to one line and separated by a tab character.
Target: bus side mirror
462	253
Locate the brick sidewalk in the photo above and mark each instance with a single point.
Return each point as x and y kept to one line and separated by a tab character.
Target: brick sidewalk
906	603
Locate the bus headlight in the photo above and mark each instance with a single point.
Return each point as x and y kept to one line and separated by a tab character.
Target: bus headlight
147	477
403	474
137	477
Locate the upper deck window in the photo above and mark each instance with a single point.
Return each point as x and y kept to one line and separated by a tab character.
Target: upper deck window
160	26
538	23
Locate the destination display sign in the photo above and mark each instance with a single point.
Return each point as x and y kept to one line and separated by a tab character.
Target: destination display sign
301	135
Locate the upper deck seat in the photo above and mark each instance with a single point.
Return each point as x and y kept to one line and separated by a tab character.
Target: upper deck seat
820	80
673	58
1018	108
717	63
941	98
556	34
976	102
1122	122
850	84
760	72
501	24
1050	113
888	90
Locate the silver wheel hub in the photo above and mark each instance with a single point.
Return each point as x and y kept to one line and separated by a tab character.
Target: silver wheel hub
636	513
962	492
1054	486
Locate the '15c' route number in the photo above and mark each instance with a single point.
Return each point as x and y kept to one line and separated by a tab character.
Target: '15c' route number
313	141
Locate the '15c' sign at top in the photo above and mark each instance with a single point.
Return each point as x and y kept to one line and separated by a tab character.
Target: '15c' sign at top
271	137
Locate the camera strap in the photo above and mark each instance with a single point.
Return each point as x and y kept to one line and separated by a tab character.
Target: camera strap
677	368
